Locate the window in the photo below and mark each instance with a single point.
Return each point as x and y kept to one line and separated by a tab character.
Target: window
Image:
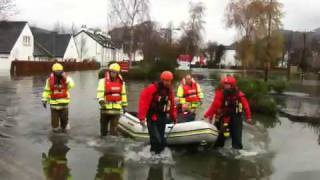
26	40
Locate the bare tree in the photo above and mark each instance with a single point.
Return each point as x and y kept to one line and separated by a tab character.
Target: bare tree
274	15
6	9
193	29
220	52
258	22
82	47
74	29
59	28
127	13
169	31
211	49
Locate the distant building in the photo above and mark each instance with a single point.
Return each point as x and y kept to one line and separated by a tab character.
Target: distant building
16	42
50	45
184	61
229	57
97	46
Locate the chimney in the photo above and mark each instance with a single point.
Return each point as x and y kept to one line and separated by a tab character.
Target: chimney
84	28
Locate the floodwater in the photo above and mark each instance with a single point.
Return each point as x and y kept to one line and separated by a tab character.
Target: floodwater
286	150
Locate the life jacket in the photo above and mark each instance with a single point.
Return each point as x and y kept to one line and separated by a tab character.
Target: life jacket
231	106
161	100
59	90
113	88
190	93
231	103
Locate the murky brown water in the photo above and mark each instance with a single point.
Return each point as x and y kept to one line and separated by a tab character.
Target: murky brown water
286	150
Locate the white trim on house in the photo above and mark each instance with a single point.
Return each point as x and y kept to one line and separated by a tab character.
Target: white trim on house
71	51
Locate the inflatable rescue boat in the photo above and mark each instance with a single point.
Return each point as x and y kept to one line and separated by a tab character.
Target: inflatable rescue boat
195	132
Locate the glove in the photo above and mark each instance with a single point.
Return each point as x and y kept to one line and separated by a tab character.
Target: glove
249	121
174	120
44	104
102	104
124	109
206	117
64	75
143	123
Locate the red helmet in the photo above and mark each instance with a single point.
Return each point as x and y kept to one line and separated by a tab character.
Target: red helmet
229	80
166	76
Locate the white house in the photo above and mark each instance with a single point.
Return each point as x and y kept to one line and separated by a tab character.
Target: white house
51	45
229	58
16	42
97	46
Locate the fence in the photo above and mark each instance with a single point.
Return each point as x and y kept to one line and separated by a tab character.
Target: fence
21	68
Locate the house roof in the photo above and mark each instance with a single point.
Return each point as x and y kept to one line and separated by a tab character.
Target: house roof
50	44
99	38
9	34
37	30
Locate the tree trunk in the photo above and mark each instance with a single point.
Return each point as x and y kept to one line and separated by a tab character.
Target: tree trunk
266	71
131	45
267	65
288	71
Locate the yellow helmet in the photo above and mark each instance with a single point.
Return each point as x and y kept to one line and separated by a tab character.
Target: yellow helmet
57	67
115	67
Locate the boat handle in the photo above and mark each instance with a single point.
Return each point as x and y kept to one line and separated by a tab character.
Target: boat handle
170	127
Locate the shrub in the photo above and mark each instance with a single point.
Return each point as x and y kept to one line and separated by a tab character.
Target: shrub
257	93
136	74
278	85
264	105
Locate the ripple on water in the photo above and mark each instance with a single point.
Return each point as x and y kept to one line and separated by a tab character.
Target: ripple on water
143	155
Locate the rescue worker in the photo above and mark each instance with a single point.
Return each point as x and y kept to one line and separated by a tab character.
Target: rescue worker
56	93
112	97
55	163
190	97
231	103
155	104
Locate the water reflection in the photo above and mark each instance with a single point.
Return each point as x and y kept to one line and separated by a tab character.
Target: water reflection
155	173
110	167
55	162
160	172
238	169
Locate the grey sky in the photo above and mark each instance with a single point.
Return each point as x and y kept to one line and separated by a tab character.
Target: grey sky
299	14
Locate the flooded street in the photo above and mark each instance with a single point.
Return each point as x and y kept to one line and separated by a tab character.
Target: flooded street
286	150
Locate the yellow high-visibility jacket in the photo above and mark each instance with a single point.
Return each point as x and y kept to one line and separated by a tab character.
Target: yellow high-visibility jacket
111	107
182	99
57	103
50	163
